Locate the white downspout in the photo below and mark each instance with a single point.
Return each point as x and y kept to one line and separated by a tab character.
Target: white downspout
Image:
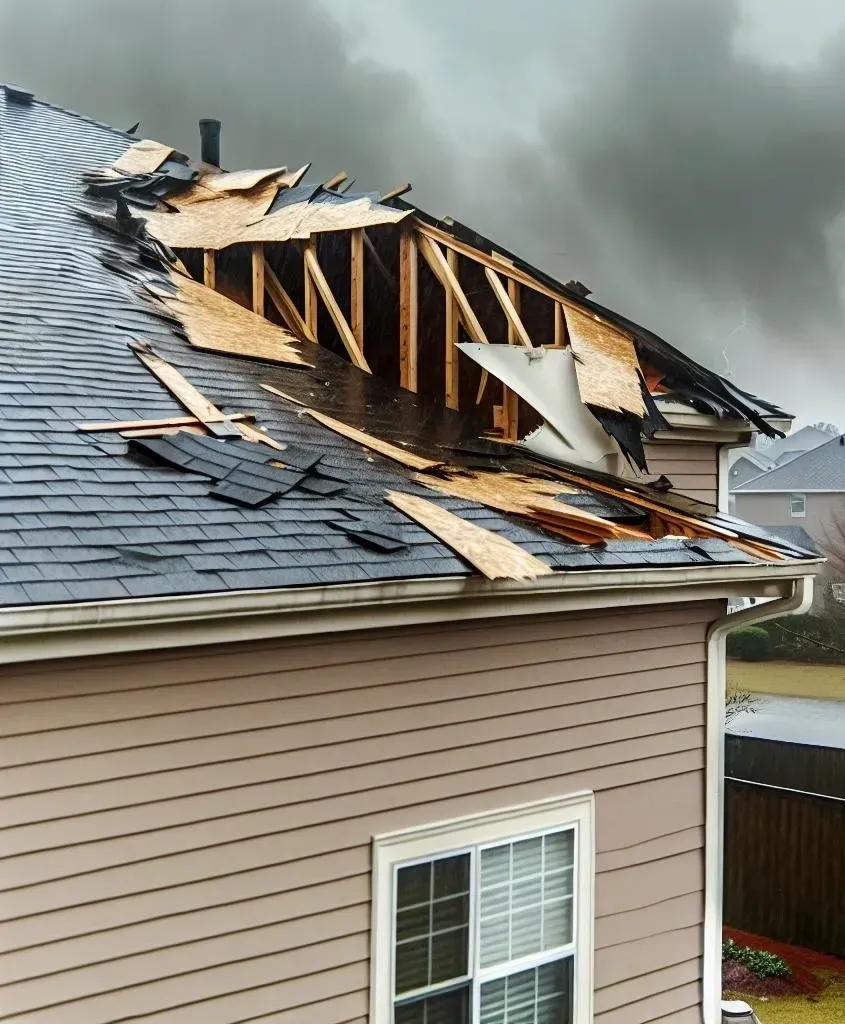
796	602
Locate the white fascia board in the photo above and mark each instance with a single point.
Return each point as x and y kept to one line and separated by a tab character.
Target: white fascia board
781	490
40	632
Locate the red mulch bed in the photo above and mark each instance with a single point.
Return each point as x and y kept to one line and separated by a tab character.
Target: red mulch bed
738	978
804	963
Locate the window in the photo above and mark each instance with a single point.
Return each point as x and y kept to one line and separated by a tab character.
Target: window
797	506
486	920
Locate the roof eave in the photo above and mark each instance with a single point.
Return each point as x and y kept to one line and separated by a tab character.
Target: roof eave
35	633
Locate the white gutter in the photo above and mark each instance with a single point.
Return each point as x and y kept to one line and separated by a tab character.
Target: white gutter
71	630
796	602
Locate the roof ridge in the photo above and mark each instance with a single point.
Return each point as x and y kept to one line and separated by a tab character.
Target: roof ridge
75	113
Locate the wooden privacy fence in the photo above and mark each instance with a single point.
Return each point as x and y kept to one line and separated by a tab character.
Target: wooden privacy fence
785	865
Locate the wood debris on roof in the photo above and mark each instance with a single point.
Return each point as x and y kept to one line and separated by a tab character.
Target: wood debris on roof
302	220
495	557
211	321
606	364
374	444
143	157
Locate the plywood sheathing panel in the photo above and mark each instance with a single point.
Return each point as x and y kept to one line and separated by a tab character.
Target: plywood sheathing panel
214	223
144	157
493	556
241	181
531	498
606	365
301	220
211	321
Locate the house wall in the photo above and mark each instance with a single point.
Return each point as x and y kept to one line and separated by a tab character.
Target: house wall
186	835
773	510
692	466
741	471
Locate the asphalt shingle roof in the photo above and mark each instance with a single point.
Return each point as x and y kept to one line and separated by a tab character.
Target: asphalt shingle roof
819	469
84	518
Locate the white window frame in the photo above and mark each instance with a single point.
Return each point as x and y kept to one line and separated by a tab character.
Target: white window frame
803	499
458	835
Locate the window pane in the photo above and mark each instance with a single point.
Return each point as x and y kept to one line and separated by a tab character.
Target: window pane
413	885
412	965
432	932
449	1008
518	881
542	995
451	875
449	955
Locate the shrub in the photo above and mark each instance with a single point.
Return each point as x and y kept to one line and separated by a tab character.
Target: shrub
749	644
758	961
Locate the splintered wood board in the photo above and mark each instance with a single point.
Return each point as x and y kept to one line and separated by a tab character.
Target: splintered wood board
212	321
144	157
385	448
172	421
493	556
606	364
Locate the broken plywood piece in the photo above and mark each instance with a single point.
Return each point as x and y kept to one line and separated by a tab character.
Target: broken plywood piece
240	181
375	444
212	321
193	400
493	556
302	220
531	498
144	157
170	421
606	364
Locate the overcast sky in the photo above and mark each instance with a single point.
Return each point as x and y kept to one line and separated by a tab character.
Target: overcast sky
684	158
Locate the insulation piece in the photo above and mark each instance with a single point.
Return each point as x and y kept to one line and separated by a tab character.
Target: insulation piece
212	321
385	448
493	556
607	366
144	157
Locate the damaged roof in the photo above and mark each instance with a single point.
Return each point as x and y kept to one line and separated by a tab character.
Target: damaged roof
158	438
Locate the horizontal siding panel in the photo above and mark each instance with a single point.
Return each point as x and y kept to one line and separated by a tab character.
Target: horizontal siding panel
644	956
541	689
632	990
243	990
655	849
672	1006
231	920
615	930
308	936
279	848
683	451
114	674
308	801
643	885
187	836
338	749
137	705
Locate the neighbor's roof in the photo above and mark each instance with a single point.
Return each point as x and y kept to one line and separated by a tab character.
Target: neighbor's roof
819	469
800	441
87	514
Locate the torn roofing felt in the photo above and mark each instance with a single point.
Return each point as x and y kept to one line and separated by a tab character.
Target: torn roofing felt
88	514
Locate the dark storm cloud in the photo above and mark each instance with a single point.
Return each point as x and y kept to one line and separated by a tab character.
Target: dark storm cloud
627	143
278	74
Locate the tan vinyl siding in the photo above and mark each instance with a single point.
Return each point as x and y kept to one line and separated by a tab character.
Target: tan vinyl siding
692	466
186	835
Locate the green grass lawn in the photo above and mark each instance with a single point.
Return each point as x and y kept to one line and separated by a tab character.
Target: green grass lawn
791	679
829	1008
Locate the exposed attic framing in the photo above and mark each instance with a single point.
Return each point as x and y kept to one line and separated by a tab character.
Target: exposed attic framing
360	276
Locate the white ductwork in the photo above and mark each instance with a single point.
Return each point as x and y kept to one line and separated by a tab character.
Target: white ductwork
545	379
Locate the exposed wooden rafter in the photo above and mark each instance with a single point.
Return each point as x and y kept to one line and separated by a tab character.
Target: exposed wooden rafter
516	328
452	335
310	290
285	304
560	327
356	297
336	179
408	311
258	278
510	399
314	273
209	268
433	255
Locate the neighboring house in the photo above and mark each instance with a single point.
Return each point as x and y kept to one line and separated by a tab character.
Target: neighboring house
782	449
808	491
373	718
747	465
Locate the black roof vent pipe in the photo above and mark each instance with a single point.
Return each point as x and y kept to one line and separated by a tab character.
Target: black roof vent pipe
210	141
